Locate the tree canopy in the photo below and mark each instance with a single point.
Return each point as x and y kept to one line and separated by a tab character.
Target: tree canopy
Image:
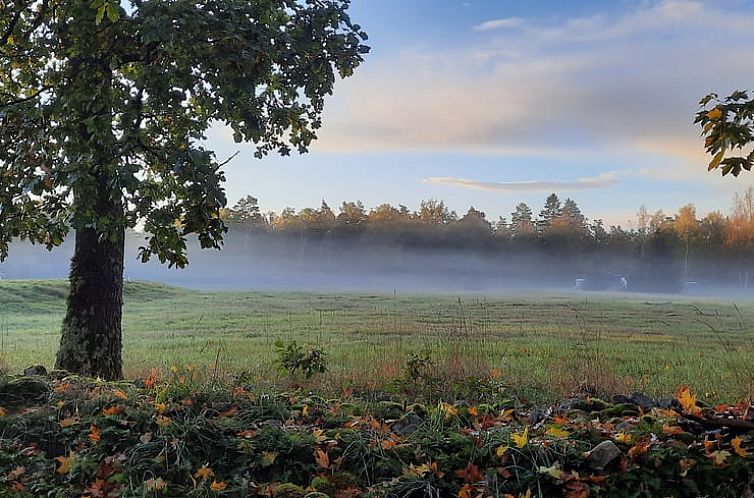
88	87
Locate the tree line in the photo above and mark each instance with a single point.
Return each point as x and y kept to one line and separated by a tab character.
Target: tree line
682	246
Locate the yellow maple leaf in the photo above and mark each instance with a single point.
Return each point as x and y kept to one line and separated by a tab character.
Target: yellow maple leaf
715	113
204	472
65	463
163	421
319	435
736	443
623	437
501	451
557	432
448	410
521	439
416	470
688	401
268	458
2	412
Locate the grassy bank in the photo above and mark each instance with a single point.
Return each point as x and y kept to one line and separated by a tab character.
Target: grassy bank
542	345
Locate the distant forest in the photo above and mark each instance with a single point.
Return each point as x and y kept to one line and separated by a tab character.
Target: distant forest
663	252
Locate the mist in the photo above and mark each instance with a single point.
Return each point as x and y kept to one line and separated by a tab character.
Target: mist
260	262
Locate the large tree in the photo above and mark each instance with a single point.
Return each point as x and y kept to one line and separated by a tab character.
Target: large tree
103	108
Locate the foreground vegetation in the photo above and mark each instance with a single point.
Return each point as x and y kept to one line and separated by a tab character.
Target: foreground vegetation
175	437
543	347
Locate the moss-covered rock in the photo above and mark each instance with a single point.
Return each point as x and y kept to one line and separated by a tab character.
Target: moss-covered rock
324	485
387	410
288	490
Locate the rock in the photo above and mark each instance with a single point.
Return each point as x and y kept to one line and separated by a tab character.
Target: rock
575	404
645	402
598	405
601	456
407	423
620	410
23	390
35	370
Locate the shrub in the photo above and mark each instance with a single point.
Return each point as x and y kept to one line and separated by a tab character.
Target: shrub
294	358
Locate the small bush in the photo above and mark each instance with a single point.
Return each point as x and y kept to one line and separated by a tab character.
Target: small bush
294	358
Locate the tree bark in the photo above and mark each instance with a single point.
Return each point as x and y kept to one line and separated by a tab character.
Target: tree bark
90	343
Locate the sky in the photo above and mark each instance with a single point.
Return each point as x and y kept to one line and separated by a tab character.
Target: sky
488	103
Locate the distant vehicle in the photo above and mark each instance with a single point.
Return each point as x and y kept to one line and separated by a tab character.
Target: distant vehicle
602	281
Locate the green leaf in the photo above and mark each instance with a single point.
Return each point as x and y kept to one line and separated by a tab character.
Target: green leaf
100	14
113	12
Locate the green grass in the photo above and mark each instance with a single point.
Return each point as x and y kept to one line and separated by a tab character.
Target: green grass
542	345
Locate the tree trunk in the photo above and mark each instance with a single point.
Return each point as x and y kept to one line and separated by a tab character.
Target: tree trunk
91	335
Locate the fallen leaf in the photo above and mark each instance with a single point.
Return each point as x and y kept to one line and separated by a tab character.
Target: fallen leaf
688	401
557	432
521	439
94	434
671	430
719	457
736	443
321	458
218	486
204	473
65	463
67	422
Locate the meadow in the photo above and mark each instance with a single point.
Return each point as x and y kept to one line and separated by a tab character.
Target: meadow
543	346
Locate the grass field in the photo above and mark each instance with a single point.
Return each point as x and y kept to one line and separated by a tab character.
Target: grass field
543	346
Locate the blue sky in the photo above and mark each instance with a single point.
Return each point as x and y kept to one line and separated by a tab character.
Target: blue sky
490	103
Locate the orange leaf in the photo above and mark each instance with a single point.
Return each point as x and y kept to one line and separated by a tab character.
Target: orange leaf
465	491
218	486
150	381
688	401
120	394
67	422
577	489
671	430
112	411
203	473
322	459
94	434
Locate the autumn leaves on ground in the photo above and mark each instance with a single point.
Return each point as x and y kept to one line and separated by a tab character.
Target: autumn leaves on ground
170	436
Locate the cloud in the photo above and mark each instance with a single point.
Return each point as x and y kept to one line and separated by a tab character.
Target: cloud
507	22
621	86
600	181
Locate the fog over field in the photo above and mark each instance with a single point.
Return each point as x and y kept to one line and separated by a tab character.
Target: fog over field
259	262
